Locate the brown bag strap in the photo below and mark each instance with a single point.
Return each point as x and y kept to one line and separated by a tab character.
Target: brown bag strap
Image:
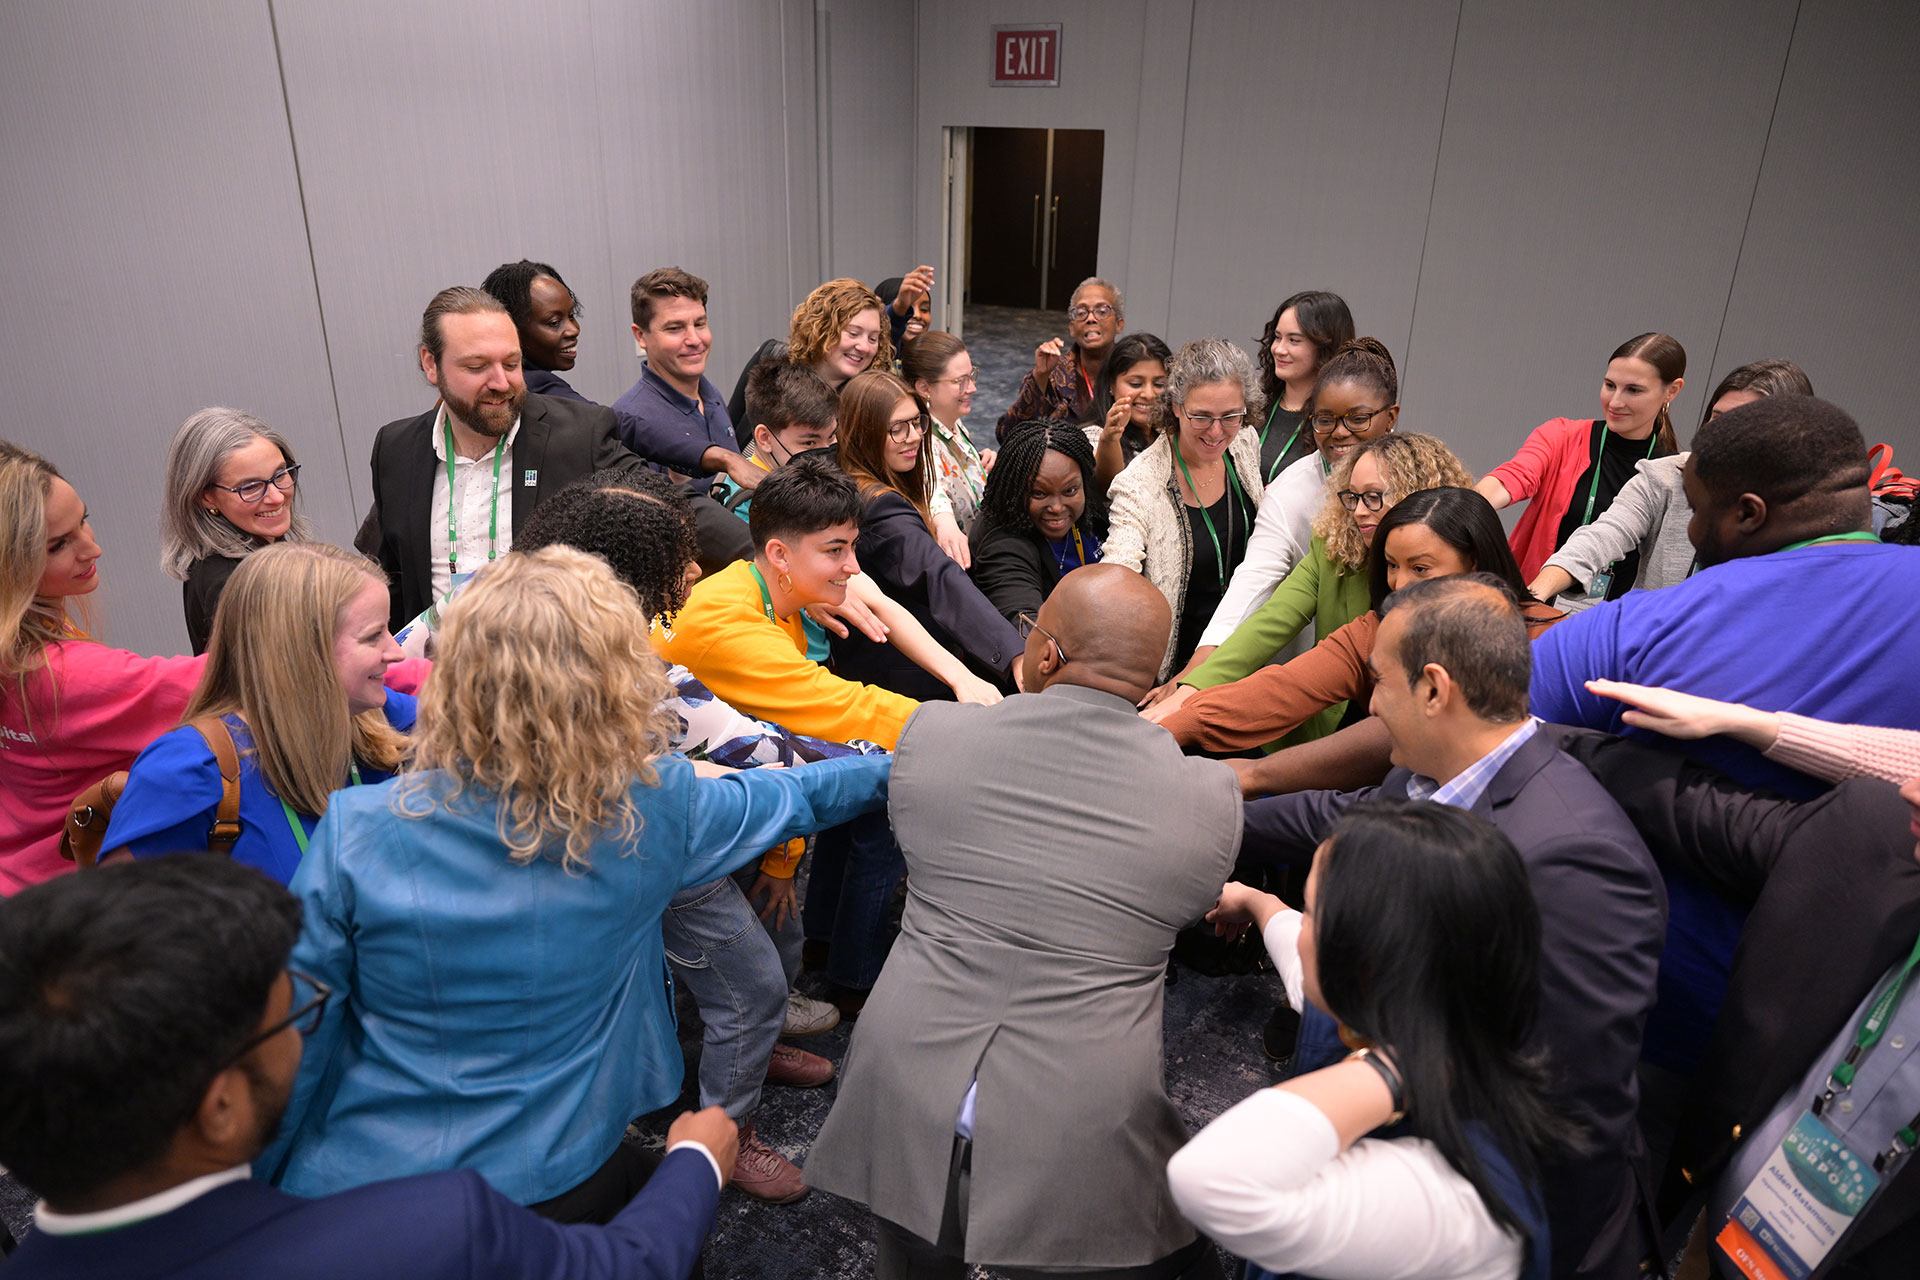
226	818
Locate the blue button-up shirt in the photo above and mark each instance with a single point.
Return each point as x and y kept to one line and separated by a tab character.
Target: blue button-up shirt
661	425
1465	788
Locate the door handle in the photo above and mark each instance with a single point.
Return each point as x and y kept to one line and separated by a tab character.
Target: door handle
1053	246
1036	231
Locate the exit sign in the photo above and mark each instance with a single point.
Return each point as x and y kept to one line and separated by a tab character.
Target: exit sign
1027	55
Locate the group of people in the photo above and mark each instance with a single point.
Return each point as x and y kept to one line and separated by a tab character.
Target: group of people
1581	855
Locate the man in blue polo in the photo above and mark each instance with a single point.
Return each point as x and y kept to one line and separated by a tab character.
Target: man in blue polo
673	415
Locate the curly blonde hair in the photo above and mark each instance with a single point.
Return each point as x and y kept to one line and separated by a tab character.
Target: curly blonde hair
1408	462
827	311
549	696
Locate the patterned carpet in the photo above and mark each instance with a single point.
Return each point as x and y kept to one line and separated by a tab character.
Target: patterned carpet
1001	341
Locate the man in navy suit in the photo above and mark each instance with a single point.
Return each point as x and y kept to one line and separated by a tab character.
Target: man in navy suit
149	1036
1451	665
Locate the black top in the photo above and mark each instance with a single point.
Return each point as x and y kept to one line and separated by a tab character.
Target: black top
1288	440
1013	567
771	349
1616	458
1206	581
206	579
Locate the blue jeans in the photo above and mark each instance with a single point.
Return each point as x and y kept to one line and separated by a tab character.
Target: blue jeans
787	939
856	868
720	950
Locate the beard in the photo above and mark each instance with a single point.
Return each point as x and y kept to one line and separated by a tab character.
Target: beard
492	420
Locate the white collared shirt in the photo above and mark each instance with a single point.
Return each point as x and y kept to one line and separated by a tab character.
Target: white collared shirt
472	487
82	1224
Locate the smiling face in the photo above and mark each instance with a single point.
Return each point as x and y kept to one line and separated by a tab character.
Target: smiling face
1145	382
1337	400
1203	438
1092	332
676	340
817	566
859	342
478	373
1632	395
71	551
906	431
1366	478
919	318
1058	497
1414	552
267	519
363	649
950	396
552	336
1295	357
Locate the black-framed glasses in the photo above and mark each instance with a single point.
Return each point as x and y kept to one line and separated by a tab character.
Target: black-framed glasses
1353	500
906	429
1098	311
1029	624
1231	421
254	490
1325	424
305	1018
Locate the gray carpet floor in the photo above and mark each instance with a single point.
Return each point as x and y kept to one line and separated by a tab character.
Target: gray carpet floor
1001	341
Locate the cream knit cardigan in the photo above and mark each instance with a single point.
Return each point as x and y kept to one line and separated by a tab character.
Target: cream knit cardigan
1147	522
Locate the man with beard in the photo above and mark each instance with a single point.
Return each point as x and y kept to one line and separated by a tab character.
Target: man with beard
150	1032
450	485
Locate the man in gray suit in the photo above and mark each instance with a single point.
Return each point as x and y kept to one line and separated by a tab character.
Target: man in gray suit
1002	1101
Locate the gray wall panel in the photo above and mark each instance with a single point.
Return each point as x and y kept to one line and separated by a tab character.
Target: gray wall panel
1593	180
155	264
1829	272
870	71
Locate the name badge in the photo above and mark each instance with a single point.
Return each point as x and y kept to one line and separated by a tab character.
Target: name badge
1601	584
532	479
1812	1188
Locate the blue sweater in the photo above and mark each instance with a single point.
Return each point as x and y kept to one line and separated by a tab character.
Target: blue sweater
1823	631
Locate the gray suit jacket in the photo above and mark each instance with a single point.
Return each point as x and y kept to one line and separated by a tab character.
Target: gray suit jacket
1043	896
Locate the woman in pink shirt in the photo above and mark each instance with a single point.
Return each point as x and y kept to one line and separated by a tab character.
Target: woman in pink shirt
72	710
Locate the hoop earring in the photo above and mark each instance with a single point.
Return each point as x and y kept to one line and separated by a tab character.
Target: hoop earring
785	582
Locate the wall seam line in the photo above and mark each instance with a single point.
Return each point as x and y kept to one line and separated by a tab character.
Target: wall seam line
1426	229
1180	174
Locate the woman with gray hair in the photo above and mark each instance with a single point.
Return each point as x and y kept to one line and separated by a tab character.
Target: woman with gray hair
1183	510
230	491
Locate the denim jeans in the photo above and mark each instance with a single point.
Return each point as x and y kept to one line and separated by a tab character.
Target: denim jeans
787	939
856	868
720	950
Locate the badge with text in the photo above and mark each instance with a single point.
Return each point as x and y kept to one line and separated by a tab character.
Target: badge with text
1796	1209
533	479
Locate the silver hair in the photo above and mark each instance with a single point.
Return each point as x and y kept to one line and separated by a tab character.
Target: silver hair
202	445
1099	282
1202	363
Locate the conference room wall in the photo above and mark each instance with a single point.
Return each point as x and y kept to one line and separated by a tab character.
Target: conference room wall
155	264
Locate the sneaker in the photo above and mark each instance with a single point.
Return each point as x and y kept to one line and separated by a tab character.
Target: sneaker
764	1173
797	1069
808	1017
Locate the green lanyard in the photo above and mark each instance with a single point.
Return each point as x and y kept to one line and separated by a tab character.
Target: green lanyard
1872	1027
1861	536
453	505
1593	490
1233	488
766	596
293	819
1297	428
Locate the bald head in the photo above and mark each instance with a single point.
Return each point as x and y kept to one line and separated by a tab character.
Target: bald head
1112	625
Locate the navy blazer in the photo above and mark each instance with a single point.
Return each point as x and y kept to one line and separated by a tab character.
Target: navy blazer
1835	897
898	551
559	441
441	1226
1603	919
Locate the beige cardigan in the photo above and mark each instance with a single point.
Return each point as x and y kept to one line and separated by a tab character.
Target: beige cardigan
1147	521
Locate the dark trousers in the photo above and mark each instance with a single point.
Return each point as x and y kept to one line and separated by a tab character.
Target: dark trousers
901	1255
856	867
606	1192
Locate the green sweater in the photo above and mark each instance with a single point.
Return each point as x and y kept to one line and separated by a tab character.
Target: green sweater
1317	589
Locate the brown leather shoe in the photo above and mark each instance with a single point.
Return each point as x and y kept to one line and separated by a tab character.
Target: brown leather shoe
764	1173
797	1069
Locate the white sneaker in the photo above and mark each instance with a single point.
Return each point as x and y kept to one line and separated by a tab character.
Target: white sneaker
806	1017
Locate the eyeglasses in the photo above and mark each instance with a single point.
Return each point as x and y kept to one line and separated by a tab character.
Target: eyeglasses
254	490
906	429
1029	624
305	1019
1098	311
964	380
1231	421
1325	424
1373	500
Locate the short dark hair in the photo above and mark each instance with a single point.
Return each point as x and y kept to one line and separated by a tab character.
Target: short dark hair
1003	502
1463	520
1780	449
807	495
460	300
664	282
123	992
783	394
635	519
1480	643
512	283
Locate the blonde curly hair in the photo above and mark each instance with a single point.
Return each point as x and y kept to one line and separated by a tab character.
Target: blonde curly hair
1408	462
827	311
548	695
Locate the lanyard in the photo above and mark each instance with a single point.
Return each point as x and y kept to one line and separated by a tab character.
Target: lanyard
1861	536
453	504
1297	428
1089	381
766	596
293	819
1593	490
1233	489
1060	552
1871	1028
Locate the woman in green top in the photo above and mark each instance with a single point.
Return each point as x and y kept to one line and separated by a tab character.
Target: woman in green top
1329	585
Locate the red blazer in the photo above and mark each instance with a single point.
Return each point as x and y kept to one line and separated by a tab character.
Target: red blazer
1544	471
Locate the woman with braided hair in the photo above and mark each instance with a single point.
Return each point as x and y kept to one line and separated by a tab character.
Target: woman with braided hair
1041	516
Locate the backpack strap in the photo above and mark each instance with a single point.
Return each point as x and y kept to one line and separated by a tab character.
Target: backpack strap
226	818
